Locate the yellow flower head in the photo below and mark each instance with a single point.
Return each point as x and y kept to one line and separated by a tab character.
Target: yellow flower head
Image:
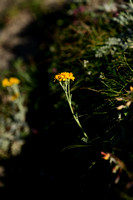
9	82
5	82
64	76
14	80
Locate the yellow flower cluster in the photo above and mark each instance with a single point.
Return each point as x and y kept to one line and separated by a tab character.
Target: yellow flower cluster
64	76
9	82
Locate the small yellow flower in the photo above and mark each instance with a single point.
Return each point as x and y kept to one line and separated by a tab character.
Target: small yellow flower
14	80
64	76
5	82
9	82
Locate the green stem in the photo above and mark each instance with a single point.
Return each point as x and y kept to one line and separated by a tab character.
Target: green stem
66	88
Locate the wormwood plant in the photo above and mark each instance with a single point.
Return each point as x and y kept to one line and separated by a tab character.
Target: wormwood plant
124	39
14	95
64	79
116	92
13	127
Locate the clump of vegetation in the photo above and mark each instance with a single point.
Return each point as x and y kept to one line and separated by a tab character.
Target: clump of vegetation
103	90
94	50
14	99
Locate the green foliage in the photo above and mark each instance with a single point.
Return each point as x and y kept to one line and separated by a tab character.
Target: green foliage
99	54
102	88
124	39
112	46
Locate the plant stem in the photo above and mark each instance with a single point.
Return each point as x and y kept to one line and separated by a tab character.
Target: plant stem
66	88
